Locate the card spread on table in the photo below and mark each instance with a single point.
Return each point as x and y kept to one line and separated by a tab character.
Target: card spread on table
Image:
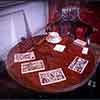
85	50
80	42
20	57
32	66
59	47
78	64
51	76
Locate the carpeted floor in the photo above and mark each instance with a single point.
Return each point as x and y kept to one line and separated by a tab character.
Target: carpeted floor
10	89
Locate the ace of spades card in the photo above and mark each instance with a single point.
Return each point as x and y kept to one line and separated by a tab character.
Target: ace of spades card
51	76
78	64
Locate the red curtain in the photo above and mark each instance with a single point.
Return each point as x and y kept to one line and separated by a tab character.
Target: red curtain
54	6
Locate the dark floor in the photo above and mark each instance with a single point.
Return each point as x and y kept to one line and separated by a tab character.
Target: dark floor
10	89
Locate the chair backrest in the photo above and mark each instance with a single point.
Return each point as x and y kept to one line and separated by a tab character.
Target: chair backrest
70	23
82	30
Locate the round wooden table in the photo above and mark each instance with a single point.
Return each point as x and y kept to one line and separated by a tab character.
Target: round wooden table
52	60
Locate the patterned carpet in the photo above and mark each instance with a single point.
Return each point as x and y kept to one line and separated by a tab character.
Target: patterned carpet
10	89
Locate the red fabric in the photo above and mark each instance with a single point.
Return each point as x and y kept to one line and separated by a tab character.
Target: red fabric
80	33
88	14
55	29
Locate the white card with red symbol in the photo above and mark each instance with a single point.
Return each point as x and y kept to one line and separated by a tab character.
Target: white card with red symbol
21	57
51	76
78	64
32	66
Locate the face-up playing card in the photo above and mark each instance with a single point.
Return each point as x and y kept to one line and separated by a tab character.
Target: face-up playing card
21	57
32	66
78	64
80	42
51	76
59	48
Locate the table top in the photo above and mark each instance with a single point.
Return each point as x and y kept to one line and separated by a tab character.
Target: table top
52	60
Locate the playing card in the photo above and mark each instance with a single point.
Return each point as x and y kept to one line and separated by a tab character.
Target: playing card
32	66
59	47
80	42
78	64
51	76
85	50
21	57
